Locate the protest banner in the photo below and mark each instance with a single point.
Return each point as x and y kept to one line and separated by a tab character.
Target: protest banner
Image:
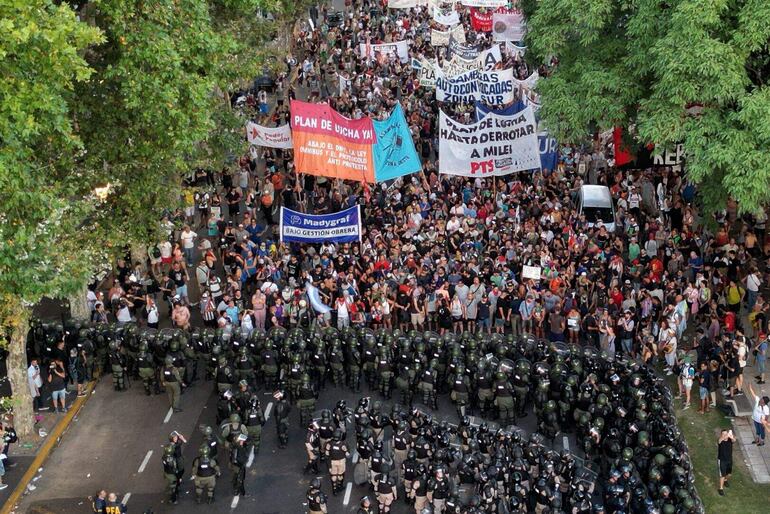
548	146
515	50
416	64
405	4
448	17
339	227
381	51
508	26
484	3
481	21
490	59
441	37
331	145
496	87
457	66
271	137
529	82
463	88
394	151
427	74
495	146
463	51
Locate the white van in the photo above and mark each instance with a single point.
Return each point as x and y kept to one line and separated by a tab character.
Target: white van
596	203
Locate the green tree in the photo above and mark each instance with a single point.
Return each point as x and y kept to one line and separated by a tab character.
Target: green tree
43	219
161	105
646	63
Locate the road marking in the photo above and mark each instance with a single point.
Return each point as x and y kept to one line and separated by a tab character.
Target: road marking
348	490
235	501
145	461
565	443
268	409
168	415
125	499
355	457
251	458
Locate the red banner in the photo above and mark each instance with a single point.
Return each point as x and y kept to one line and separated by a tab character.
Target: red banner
481	21
330	145
622	154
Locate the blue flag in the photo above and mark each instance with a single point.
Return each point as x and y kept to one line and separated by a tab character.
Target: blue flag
549	156
394	152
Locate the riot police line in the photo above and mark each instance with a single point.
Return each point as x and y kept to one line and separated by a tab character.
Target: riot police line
632	457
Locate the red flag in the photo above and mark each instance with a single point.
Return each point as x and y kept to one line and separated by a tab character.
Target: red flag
622	154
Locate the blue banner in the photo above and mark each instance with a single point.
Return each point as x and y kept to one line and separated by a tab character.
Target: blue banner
394	152
549	156
340	227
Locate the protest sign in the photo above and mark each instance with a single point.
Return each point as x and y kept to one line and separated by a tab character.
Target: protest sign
427	74
381	51
448	17
271	137
344	83
339	227
531	272
496	87
508	26
495	146
394	151
481	21
331	145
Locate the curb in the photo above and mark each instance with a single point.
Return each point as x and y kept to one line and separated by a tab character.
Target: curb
52	441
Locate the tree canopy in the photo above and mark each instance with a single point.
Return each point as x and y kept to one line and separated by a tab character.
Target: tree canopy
645	64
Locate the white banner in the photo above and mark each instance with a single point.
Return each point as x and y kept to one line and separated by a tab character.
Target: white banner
491	59
344	83
496	87
496	145
405	4
487	60
508	26
427	74
515	51
484	3
462	88
493	87
382	50
458	65
529	82
441	37
447	18
272	137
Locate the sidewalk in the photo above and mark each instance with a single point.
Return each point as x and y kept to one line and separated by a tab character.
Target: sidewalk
31	453
757	457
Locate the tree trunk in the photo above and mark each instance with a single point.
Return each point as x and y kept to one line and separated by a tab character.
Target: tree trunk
79	304
23	416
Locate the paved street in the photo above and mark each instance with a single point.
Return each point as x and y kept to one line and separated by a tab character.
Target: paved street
116	444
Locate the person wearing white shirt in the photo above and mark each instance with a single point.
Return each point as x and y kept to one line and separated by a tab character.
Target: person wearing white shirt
152	313
35	384
343	312
187	237
760	416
